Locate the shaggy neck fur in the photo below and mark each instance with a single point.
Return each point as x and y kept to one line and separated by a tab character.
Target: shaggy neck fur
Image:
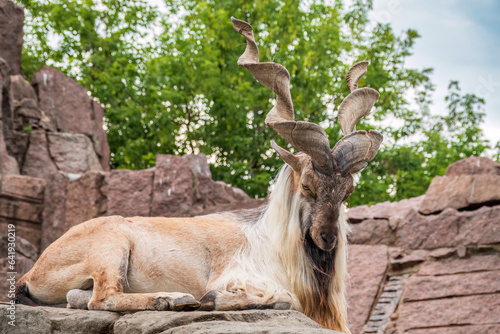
278	254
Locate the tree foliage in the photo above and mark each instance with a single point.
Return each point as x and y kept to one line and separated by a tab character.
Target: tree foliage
170	84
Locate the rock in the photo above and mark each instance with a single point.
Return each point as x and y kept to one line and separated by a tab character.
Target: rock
473	165
436	287
216	196
367	266
198	164
23	247
401	258
460	192
99	137
450	228
73	153
85	199
358	214
17	144
21	266
38	162
45	320
24	229
251	321
130	192
391	211
457	266
457	311
482	329
54	213
19	210
65	101
173	187
24	107
23	188
8	164
372	232
11	34
21	198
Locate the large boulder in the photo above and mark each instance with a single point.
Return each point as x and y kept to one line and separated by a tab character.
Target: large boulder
472	166
72	108
11	34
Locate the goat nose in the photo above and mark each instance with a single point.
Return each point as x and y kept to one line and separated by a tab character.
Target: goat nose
328	238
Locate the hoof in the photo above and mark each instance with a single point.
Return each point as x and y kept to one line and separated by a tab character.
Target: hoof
186	303
208	301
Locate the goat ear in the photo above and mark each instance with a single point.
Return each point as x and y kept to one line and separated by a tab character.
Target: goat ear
288	157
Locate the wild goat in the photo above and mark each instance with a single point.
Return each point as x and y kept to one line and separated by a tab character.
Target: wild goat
290	254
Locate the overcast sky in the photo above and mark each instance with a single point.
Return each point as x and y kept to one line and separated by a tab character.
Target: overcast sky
460	39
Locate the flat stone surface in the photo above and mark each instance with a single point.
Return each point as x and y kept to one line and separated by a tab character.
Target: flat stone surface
470	310
434	287
19	210
367	266
450	228
23	187
42	320
460	192
45	320
73	153
372	232
130	192
457	266
251	321
479	329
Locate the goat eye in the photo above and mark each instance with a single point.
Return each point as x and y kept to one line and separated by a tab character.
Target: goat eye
307	189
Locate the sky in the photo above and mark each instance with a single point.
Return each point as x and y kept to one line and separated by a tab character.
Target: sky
460	39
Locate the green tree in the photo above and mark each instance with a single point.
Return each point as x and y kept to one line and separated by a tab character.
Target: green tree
170	84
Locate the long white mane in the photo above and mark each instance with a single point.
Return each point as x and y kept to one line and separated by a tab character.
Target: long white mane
274	258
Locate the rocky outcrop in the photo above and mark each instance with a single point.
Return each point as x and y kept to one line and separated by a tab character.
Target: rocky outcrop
11	35
46	320
442	268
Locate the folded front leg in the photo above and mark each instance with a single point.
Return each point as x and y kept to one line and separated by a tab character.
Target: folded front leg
239	299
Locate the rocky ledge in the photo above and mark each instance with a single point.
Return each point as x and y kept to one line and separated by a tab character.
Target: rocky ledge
43	320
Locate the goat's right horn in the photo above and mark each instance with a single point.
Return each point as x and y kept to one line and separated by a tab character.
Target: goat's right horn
307	137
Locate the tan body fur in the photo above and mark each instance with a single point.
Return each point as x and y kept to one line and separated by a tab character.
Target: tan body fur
291	254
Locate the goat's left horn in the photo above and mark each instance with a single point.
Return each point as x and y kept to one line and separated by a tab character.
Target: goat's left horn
357	104
307	137
353	152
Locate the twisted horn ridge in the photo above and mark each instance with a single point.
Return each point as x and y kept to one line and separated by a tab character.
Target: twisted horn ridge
353	152
307	137
355	73
355	106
